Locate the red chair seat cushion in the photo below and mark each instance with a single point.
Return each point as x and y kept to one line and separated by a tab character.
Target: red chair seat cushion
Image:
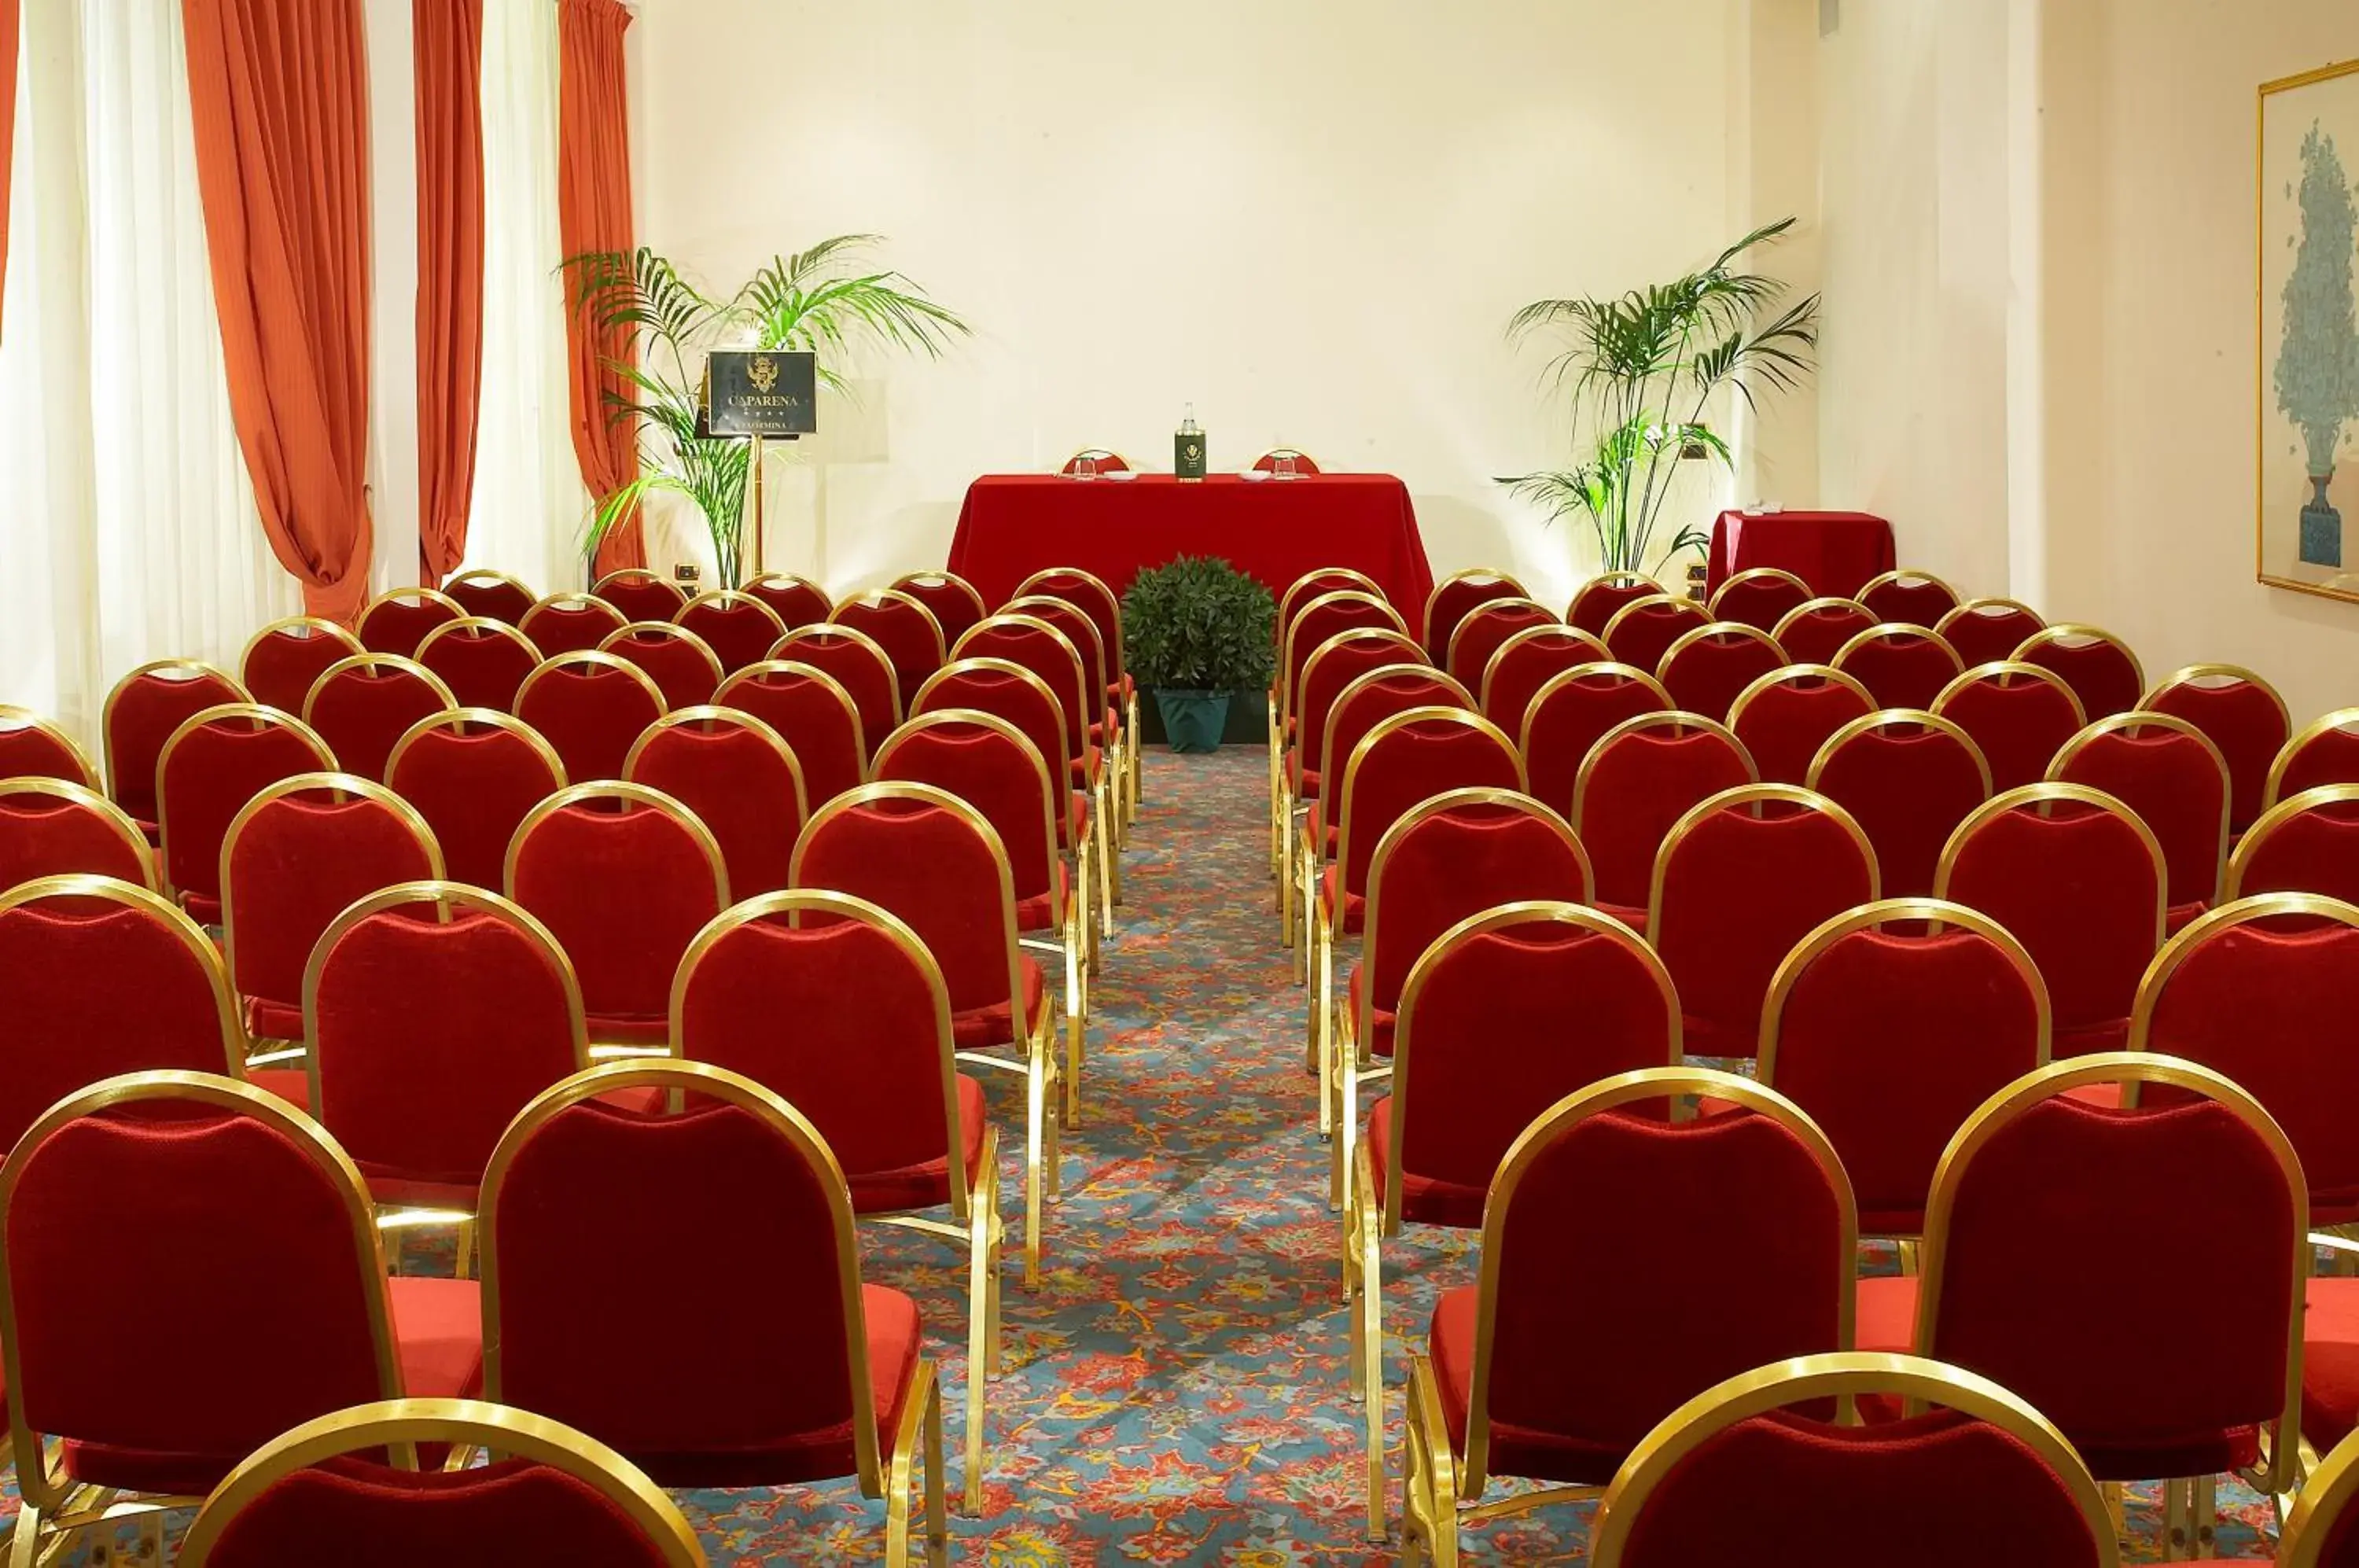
979	1029
1039	912
2180	915
2329	1362
926	1185
266	1019
1424	1199
629	1028
202	908
1380	1022
1886	1315
1355	908
1540	1456
1083	769
292	1085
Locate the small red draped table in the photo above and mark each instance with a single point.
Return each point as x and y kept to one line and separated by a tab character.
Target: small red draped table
1834	552
1275	529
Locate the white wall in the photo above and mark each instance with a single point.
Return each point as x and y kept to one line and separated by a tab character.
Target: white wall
1311	220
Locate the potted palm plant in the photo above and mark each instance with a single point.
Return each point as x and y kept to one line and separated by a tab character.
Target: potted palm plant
1641	372
1195	632
829	299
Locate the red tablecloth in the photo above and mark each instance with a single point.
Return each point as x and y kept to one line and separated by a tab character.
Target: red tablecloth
1834	552
1016	524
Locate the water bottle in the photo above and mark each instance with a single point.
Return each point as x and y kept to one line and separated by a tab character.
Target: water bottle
1188	448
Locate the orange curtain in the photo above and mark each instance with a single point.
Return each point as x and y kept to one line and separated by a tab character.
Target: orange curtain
448	46
7	119
280	90
593	204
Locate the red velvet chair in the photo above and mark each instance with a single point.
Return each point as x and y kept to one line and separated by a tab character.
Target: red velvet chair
1318	585
739	629
553	1496
300	852
1641	777
361	705
1641	633
213	764
1332	666
624	877
1453	599
1593	1320
1908	778
851	658
640	595
2322	1531
2238	713
1525	663
1708	668
1915	598
1483	629
740	778
1035	644
282	660
812	714
32	747
1738	1473
2176	780
685	670
2019	716
1788	714
2306	844
797	1372
1312	625
570	622
1105	729
67	1017
798	601
2079	881
955	602
398	620
1759	597
1571	711
2325	751
1988	631
1891	1025
472	775
1597	602
1268	461
1815	632
51	828
433	1014
253	1215
482	661
869	1060
1903	666
1511	1009
491	595
1740	879
141	713
904	629
2099	667
2013	1290
1095	598
931	859
589	707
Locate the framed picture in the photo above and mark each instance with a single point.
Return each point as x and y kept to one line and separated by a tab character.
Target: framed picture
2307	445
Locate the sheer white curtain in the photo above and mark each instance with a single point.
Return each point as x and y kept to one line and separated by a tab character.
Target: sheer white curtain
530	503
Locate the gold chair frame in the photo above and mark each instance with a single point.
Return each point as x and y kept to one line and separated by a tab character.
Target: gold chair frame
377	666
709	716
1675	719
782	652
1032	585
1750	575
1513	601
420	594
729	600
2272	820
1966	609
1284	801
635	574
307	626
1902	577
754	672
1614	668
185	668
459	719
1609	580
2041	797
585	601
1121	742
2058	632
1749	799
1825	604
2144	719
253	713
1686	610
1593	652
1100	789
582	659
474	627
1287	677
1883	719
792	579
637	632
2295	744
1743	631
1897	632
1470	574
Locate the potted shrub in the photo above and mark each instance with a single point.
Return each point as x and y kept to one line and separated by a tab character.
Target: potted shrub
1194	632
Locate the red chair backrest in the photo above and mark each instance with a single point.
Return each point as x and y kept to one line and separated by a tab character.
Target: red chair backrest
298	854
1891	1025
570	622
1597	602
1815	632
1316	621
1708	668
492	595
1641	777
1641	633
2325	752
1453	599
50	827
434	1014
1759	598
1009	691
1524	663
739	777
2019	716
283	659
1319	585
1101	461
143	710
2240	713
851	658
1081	631
904	629
1368	701
1918	598
364	704
1482	628
482	661
1412	756
1988	631
1905	666
987	762
2080	882
215	763
1787	716
953	601
398	620
684	669
1334	665
1034	645
1268	461
812	714
739	629
2309	843
68	1018
798	601
472	775
2101	670
1909	780
639	594
1572	711
2176	781
32	747
589	706
624	878
1090	594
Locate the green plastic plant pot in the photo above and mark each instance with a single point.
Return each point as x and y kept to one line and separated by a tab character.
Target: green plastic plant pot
1192	721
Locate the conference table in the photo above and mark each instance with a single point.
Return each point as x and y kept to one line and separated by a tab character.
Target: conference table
1834	552
1274	529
